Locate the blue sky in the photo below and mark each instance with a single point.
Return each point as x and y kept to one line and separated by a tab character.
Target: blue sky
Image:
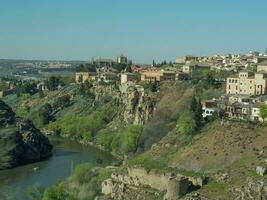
142	29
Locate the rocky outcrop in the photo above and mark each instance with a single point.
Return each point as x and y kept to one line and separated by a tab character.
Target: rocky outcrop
261	170
139	106
7	116
21	141
252	190
102	92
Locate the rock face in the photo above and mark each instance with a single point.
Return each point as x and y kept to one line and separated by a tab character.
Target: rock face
21	142
139	106
7	116
253	190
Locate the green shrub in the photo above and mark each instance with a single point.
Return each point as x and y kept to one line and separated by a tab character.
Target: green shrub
186	123
72	126
105	138
147	163
131	137
57	193
83	173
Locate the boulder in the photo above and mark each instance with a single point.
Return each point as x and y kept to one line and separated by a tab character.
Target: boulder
261	170
107	187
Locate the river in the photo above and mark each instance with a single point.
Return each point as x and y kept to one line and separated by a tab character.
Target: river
15	182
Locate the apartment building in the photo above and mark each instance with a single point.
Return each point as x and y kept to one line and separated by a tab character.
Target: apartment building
247	83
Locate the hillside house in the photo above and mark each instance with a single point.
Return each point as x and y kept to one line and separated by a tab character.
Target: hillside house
195	68
255	112
262	66
136	68
6	92
238	110
209	107
107	76
81	77
247	84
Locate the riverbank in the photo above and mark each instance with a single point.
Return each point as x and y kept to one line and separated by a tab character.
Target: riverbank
66	155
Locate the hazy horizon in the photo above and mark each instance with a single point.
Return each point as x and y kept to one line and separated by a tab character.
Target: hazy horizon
163	30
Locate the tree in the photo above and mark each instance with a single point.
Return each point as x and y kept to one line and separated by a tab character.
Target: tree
263	111
57	193
36	192
62	102
52	83
154	63
44	114
41	94
26	87
186	123
209	79
196	109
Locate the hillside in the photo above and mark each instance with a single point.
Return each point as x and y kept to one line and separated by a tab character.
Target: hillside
141	127
228	153
20	141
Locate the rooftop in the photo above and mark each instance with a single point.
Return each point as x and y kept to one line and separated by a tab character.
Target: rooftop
263	62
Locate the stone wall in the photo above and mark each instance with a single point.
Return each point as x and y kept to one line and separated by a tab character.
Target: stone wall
173	185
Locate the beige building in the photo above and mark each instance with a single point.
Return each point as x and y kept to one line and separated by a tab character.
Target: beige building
81	77
247	84
126	77
159	75
262	66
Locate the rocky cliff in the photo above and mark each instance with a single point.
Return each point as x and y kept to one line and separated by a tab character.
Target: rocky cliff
136	103
20	141
139	105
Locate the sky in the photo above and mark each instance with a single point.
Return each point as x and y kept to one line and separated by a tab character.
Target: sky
142	29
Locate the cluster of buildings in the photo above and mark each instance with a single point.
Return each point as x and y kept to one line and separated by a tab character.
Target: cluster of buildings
245	94
8	89
229	62
246	91
101	70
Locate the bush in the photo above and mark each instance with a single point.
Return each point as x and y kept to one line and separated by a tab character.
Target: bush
186	123
83	173
36	192
57	193
72	126
62	102
147	163
44	115
105	138
131	137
